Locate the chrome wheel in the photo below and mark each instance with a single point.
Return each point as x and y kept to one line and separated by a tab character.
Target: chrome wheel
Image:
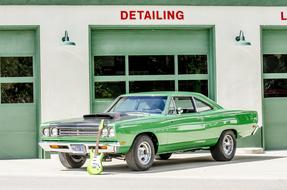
225	148
77	158
228	144
141	155
144	153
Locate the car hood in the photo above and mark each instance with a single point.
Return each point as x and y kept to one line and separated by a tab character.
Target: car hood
93	120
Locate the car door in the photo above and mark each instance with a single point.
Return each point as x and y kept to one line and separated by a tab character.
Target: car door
186	128
212	121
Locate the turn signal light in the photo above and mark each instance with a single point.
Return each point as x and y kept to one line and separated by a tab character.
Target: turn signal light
54	146
103	147
59	146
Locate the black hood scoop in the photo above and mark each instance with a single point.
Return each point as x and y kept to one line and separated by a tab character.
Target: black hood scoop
108	116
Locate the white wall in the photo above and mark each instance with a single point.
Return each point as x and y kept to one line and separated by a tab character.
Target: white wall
65	71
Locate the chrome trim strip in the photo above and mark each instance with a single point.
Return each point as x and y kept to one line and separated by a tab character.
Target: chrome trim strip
256	129
112	147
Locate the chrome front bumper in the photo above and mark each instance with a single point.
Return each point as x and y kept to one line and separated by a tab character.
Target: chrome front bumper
111	147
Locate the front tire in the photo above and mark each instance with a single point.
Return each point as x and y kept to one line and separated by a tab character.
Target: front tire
225	148
72	161
141	155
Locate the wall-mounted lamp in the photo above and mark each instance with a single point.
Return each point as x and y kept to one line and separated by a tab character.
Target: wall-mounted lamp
241	39
66	40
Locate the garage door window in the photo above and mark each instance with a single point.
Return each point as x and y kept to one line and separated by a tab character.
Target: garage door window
109	65
147	86
16	80
194	86
275	75
192	64
109	89
275	63
115	75
151	65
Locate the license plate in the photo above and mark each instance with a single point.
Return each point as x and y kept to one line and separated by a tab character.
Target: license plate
78	148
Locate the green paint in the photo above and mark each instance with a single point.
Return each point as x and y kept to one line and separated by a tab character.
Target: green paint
212	65
148	2
274	41
151	40
17	42
91	72
262	89
275	123
18	131
275	76
101	105
174	132
251	141
152	77
37	88
16	79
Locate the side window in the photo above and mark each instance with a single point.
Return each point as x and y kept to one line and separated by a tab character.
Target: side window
185	104
201	106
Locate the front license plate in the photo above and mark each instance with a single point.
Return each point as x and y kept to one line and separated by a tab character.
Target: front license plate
78	148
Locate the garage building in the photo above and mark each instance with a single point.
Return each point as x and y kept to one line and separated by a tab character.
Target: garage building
132	46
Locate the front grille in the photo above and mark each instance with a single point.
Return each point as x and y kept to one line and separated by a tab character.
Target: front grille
78	131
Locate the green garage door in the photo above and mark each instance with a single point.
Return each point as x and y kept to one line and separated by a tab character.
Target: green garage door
18	137
275	88
136	60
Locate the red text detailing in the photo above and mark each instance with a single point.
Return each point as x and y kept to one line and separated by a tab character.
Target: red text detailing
283	17
152	15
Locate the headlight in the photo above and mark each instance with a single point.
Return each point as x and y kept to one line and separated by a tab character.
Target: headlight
112	132
54	132
46	132
108	132
105	132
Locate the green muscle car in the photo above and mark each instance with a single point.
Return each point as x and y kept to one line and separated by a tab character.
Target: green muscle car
141	127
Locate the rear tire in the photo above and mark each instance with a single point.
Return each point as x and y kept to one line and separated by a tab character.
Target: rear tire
163	156
72	161
225	148
141	155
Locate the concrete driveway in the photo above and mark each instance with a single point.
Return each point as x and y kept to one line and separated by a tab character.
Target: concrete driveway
182	171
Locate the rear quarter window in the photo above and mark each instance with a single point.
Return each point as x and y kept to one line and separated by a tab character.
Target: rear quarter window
202	106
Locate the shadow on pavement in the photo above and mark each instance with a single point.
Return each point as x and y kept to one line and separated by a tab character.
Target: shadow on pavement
175	164
204	161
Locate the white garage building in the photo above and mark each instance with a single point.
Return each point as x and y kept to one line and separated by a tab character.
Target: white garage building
134	46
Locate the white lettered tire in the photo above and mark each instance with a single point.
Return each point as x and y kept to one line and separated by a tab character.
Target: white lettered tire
141	155
225	148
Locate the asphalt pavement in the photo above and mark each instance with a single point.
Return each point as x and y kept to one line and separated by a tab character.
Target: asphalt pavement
182	171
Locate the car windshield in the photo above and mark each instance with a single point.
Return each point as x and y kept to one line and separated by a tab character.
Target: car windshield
145	104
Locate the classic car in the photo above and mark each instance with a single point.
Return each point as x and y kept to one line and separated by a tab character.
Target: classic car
142	127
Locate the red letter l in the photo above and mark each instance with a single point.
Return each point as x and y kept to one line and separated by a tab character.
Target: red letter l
282	16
